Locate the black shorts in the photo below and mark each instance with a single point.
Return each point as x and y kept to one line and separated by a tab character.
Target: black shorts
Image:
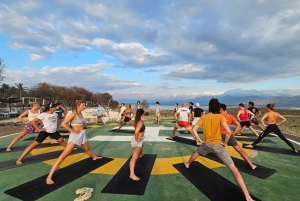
127	119
43	135
255	121
245	123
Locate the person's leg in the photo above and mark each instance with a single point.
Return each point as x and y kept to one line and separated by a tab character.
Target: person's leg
70	146
123	123
136	151
102	119
88	151
241	131
244	156
62	142
253	131
131	122
278	132
260	127
173	132
26	151
51	140
240	181
259	139
195	136
21	134
193	157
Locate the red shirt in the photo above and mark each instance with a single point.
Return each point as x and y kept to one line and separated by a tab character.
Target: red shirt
229	119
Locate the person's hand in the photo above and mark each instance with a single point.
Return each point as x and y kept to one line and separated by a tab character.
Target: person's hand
224	144
41	129
76	131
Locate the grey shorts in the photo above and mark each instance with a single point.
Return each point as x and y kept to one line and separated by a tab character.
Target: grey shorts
217	149
134	143
232	141
78	139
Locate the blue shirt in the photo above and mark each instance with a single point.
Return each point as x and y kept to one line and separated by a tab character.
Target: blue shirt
59	112
100	111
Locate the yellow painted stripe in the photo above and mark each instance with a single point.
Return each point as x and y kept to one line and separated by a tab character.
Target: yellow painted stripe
46	150
69	160
112	167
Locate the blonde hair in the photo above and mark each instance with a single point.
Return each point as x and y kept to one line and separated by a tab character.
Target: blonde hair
33	103
78	103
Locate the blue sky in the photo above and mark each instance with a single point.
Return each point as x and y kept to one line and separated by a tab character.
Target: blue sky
154	49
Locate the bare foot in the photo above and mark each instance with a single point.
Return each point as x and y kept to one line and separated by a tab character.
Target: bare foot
97	157
54	142
170	138
249	146
186	132
187	165
141	155
74	148
8	149
238	134
18	162
253	167
49	181
296	151
117	130
134	177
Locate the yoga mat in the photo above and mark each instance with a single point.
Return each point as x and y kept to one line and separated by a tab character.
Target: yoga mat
184	140
38	188
212	185
253	139
33	138
122	184
23	147
27	160
182	132
123	131
252	135
260	171
287	150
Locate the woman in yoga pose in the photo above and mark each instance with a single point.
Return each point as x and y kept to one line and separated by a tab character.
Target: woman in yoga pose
272	126
128	114
244	120
77	137
137	142
29	128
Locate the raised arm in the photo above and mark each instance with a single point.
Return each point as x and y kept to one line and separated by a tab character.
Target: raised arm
251	113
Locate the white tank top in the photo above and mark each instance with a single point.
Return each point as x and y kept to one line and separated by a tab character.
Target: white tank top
32	116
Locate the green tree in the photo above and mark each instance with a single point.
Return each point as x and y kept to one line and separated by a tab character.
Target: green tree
2	67
21	89
5	88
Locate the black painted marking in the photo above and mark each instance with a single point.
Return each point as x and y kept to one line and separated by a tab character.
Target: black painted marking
277	150
212	185
38	188
122	184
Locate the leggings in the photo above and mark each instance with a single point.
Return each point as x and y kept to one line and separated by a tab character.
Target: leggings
273	128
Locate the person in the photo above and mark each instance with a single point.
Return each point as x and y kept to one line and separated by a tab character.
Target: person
211	124
191	107
272	126
243	117
157	112
256	113
77	137
184	121
50	128
61	111
28	127
137	142
121	112
139	105
100	114
232	141
197	113
128	114
175	108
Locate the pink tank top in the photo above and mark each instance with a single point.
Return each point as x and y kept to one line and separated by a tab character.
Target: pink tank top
244	115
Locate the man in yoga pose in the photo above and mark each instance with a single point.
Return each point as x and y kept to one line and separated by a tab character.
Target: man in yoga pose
256	112
211	123
272	126
129	114
184	121
232	141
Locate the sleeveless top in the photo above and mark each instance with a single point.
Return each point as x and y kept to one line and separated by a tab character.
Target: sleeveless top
244	116
77	121
32	116
143	128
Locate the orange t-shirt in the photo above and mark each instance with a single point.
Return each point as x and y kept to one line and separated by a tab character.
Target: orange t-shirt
211	124
229	119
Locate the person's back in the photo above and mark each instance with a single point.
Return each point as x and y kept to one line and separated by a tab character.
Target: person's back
198	112
183	114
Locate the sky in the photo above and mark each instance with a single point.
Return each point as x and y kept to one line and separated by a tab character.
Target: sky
147	49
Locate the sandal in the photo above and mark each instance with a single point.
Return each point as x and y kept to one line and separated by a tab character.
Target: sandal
85	193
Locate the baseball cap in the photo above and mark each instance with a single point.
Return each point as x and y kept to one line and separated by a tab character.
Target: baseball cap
58	103
197	105
51	105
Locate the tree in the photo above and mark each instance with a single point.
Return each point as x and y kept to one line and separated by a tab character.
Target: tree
21	89
5	89
2	67
145	104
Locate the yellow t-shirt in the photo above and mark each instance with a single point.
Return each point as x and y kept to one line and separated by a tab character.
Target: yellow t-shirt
211	124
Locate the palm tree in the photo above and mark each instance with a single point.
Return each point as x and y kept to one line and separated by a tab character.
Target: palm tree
21	89
5	88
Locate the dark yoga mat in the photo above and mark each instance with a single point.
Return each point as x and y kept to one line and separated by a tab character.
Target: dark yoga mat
212	185
33	138
122	184
23	147
252	135
182	132
123	131
287	150
38	188
253	139
184	140
9	164
260	172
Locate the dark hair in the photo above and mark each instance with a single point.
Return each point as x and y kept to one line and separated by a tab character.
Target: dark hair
271	106
251	103
157	103
214	106
176	104
223	106
138	102
48	106
138	116
129	105
191	103
123	104
242	104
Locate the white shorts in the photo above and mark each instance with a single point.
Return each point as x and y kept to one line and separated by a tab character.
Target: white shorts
134	143
195	121
79	138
